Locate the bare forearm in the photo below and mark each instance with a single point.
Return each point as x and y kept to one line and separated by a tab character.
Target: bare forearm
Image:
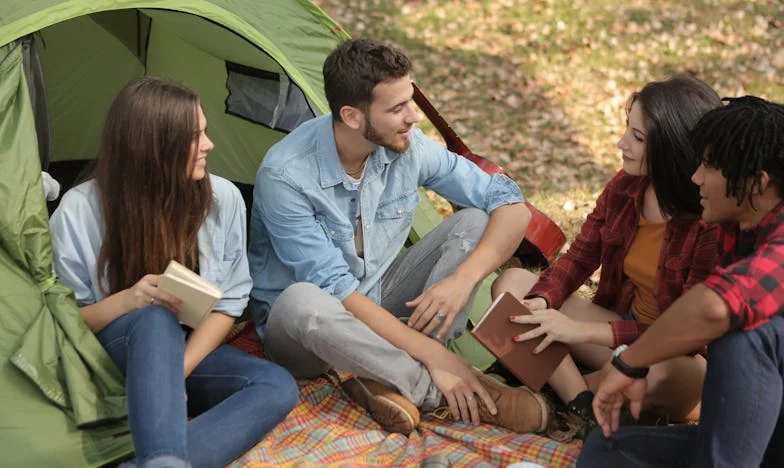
105	311
599	333
389	327
205	339
694	320
503	234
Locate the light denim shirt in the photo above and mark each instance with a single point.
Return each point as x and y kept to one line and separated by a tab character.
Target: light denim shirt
304	209
77	235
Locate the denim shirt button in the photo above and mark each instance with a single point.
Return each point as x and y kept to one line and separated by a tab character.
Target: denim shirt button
331	233
399	212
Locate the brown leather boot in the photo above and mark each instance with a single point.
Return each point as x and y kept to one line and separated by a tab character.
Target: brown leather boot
520	409
391	410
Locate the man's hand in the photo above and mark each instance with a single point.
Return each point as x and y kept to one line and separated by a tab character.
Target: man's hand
459	383
609	398
535	303
438	305
554	325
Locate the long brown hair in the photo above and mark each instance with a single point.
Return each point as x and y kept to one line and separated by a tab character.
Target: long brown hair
152	209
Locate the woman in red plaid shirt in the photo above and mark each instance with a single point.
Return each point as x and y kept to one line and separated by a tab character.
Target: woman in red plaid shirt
646	235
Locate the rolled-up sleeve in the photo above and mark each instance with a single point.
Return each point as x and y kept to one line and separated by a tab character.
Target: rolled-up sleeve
459	180
752	286
297	238
237	282
70	228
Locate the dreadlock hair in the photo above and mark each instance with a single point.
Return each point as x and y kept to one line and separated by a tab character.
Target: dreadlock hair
742	139
671	108
355	67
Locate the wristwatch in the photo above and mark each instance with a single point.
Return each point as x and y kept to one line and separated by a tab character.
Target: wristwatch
625	369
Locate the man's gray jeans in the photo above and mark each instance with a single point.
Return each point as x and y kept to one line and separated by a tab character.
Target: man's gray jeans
309	331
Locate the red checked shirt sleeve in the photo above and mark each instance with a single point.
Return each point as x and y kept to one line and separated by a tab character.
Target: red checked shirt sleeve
752	286
626	331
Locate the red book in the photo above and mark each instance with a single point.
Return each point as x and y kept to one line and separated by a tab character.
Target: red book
497	333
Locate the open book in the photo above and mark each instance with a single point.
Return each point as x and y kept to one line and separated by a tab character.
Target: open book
496	333
198	295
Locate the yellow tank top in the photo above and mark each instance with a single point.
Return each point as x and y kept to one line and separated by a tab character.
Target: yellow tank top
641	264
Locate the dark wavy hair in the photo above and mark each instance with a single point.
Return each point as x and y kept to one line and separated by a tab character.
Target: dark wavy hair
152	209
744	138
671	109
355	67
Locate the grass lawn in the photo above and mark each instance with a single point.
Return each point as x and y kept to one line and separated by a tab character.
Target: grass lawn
539	86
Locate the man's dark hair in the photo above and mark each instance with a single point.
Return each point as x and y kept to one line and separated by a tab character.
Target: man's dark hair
355	67
742	139
671	109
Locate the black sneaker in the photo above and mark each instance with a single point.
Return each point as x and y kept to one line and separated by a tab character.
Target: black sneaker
582	406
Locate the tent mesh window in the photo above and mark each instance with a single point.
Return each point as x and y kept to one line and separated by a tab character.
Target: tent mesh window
266	98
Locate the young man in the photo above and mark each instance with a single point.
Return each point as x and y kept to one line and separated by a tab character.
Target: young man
333	204
737	311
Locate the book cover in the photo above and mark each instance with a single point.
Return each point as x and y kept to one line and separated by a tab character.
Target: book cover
198	295
497	333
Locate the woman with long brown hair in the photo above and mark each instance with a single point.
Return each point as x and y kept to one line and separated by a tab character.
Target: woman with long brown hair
646	235
152	200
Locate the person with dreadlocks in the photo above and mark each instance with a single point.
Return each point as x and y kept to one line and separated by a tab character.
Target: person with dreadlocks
738	311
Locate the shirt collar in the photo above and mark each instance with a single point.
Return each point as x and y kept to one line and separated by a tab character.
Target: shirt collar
770	223
331	171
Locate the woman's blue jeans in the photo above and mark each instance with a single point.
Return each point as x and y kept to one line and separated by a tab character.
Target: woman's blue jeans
236	398
740	418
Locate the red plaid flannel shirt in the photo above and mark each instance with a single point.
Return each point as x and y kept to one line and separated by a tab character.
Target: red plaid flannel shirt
689	253
749	278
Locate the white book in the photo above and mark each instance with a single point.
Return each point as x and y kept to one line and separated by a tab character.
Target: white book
198	295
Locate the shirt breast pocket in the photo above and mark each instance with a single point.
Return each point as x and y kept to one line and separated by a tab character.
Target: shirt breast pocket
337	231
396	216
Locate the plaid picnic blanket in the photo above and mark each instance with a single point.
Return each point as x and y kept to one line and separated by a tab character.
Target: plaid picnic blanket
328	429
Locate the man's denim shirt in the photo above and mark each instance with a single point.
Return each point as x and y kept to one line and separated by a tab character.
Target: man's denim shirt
304	210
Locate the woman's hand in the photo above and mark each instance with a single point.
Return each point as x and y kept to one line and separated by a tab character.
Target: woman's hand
145	292
554	325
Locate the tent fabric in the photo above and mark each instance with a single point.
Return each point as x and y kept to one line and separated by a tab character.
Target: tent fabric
326	428
54	375
191	39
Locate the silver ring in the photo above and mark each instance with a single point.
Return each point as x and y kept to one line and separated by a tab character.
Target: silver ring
469	397
152	300
440	316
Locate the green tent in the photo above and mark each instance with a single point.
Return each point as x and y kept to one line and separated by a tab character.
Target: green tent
256	65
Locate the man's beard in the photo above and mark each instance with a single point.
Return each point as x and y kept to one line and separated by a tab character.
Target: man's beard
372	135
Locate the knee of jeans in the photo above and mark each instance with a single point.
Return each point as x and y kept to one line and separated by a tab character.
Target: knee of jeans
469	227
737	343
156	317
280	389
472	218
297	305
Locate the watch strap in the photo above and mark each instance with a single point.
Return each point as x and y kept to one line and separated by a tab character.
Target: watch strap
627	370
